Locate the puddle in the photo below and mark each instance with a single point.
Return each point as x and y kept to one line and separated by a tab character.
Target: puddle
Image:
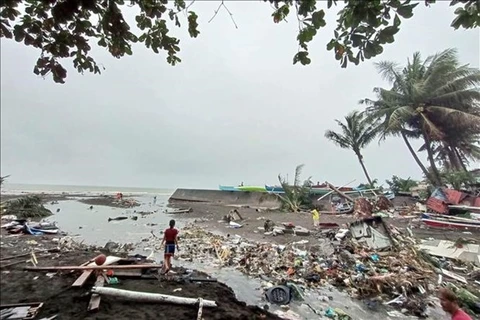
95	229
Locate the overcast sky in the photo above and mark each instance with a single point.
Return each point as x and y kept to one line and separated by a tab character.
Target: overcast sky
234	110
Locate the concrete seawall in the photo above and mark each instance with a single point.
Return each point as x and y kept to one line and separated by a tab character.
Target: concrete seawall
259	199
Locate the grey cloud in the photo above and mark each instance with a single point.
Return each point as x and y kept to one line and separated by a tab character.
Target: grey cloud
234	110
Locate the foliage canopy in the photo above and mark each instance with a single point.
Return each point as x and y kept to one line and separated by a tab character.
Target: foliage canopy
62	29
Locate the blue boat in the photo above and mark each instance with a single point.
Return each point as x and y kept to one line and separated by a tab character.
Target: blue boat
228	188
274	189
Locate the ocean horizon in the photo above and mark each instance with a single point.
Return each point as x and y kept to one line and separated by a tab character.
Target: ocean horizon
18	188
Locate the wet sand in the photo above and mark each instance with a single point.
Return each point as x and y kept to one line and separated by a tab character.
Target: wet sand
210	217
59	298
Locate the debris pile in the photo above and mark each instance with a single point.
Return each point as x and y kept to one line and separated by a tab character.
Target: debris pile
370	261
24	226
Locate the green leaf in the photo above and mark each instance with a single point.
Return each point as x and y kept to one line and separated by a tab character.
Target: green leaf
192	24
406	11
102	42
386	35
357	39
306	35
302	57
330	3
318	19
396	21
18	33
331	44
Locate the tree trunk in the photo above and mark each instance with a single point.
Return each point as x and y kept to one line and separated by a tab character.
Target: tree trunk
360	159
415	156
437	181
452	158
460	160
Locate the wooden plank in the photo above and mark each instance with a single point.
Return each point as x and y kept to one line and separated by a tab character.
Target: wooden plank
128	273
83	278
115	267
86	274
95	299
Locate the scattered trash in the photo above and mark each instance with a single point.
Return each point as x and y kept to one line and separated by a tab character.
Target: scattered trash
20	310
280	295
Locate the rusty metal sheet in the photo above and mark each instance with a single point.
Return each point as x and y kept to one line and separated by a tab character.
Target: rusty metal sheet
437	205
454	196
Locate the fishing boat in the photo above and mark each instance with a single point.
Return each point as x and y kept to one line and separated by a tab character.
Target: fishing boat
274	189
444	221
228	188
252	188
319	190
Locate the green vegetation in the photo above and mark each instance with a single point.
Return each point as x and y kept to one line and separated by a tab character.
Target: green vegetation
458	179
401	185
373	185
27	207
436	100
296	196
68	29
355	135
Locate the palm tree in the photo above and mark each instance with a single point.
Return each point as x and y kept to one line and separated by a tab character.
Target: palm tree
426	94
295	195
356	134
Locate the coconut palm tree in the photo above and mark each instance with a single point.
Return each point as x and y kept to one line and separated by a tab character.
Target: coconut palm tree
295	195
378	109
426	94
356	133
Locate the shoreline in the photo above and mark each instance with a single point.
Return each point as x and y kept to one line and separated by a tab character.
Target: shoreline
208	217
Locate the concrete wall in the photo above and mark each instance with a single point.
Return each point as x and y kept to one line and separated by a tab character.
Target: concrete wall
259	199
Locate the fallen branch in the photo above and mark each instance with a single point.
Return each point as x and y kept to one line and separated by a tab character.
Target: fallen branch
149	297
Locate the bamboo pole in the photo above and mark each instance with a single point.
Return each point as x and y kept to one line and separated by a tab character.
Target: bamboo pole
149	297
133	266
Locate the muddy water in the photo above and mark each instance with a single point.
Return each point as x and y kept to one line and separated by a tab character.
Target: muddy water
92	227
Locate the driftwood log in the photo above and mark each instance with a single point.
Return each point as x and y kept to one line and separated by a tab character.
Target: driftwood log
150	297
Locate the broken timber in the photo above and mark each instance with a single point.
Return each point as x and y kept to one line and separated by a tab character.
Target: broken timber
95	298
86	274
